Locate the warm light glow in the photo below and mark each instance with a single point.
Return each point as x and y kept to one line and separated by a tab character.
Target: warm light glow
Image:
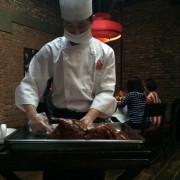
105	29
113	39
105	40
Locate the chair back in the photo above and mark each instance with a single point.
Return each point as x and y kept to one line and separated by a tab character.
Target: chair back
175	118
152	110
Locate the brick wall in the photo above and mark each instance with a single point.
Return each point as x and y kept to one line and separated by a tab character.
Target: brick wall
12	52
150	47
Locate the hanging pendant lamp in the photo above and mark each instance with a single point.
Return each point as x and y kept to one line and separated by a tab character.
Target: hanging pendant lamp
104	29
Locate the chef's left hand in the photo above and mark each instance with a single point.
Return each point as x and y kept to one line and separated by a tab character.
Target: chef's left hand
88	121
90	117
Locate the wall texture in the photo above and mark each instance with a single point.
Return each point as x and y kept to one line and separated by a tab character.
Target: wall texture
149	47
23	23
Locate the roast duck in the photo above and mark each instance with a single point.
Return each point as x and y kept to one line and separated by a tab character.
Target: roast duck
75	129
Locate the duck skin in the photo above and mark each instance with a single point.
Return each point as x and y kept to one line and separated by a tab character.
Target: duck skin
75	129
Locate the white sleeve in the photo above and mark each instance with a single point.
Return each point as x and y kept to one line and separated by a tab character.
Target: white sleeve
104	100
34	83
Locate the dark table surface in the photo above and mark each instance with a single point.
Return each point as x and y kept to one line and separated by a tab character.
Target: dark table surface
132	160
89	155
75	155
28	161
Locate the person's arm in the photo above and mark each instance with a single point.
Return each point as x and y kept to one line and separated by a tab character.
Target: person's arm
30	110
32	87
90	117
149	98
124	102
148	101
38	122
104	85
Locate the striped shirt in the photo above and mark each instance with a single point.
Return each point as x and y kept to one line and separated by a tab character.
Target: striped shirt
154	98
135	102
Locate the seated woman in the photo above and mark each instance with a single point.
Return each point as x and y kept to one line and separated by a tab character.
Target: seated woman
150	87
135	100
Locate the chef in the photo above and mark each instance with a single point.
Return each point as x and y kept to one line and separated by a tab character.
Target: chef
82	68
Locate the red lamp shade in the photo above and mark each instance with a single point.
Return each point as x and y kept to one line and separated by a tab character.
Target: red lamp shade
105	29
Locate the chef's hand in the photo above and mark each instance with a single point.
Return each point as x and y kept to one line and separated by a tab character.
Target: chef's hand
39	124
89	118
88	122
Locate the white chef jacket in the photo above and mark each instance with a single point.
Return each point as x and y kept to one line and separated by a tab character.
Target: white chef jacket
83	76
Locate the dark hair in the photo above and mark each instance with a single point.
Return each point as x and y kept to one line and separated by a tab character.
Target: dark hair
151	84
135	84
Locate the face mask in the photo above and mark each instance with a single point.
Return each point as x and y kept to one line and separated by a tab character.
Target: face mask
80	38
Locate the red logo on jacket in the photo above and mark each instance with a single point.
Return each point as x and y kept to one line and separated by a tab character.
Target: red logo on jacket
99	65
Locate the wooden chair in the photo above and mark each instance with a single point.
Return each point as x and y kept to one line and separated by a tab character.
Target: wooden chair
175	119
172	127
154	133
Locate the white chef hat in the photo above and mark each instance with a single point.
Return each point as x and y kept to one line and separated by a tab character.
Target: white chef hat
75	10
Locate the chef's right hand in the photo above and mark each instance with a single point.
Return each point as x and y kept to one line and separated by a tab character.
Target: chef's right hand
39	124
